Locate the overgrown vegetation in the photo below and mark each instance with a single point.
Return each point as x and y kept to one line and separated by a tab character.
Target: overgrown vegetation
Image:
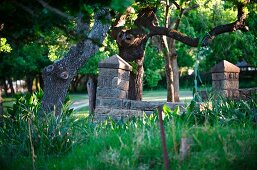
27	131
223	133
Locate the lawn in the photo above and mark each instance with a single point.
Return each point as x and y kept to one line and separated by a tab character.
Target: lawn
139	147
223	136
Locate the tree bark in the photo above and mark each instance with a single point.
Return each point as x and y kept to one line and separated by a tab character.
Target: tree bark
11	86
132	44
58	76
175	70
91	90
5	87
136	82
41	82
37	83
29	82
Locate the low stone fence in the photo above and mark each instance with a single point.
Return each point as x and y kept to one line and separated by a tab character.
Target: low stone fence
225	82
112	92
113	85
118	108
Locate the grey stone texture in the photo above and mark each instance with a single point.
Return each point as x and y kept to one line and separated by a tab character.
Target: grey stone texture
225	66
113	79
112	93
115	62
225	79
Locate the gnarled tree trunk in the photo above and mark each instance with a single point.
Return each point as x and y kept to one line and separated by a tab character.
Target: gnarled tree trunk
58	76
136	81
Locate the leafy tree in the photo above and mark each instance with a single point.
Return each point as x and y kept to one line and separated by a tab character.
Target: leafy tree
153	65
88	24
132	40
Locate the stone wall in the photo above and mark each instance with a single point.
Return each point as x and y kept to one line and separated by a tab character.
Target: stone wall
225	82
112	92
225	79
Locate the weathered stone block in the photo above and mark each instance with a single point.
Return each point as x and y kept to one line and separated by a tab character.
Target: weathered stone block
120	84
144	105
104	82
102	110
126	104
109	102
115	62
225	84
225	66
109	72
225	76
231	93
111	93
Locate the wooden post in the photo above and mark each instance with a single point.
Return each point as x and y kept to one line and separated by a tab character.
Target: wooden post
164	147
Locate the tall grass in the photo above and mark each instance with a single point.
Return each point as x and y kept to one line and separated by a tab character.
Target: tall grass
223	133
27	131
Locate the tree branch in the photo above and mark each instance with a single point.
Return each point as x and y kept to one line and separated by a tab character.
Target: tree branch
194	42
120	21
54	10
25	8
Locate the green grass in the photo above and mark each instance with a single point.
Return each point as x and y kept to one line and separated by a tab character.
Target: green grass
224	136
215	147
161	95
75	97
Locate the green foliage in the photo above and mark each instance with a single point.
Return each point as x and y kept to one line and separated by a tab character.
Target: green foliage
27	60
4	46
153	65
218	110
25	127
223	137
121	5
91	67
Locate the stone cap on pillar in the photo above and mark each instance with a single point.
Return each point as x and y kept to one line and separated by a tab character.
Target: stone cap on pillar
225	66
116	62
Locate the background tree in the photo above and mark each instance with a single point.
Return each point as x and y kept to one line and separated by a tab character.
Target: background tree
132	40
34	19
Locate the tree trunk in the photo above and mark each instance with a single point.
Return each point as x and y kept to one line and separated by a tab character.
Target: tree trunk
37	83
11	86
169	77
41	82
175	70
172	71
91	90
29	82
136	81
58	76
5	87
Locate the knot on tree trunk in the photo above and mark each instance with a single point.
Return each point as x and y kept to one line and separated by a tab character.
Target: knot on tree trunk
49	69
64	75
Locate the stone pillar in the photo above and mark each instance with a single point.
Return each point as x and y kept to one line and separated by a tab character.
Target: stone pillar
113	79
225	79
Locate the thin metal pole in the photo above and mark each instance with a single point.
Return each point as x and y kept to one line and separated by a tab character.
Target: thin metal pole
164	147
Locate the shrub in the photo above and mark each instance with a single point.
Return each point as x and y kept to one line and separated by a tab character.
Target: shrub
25	130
